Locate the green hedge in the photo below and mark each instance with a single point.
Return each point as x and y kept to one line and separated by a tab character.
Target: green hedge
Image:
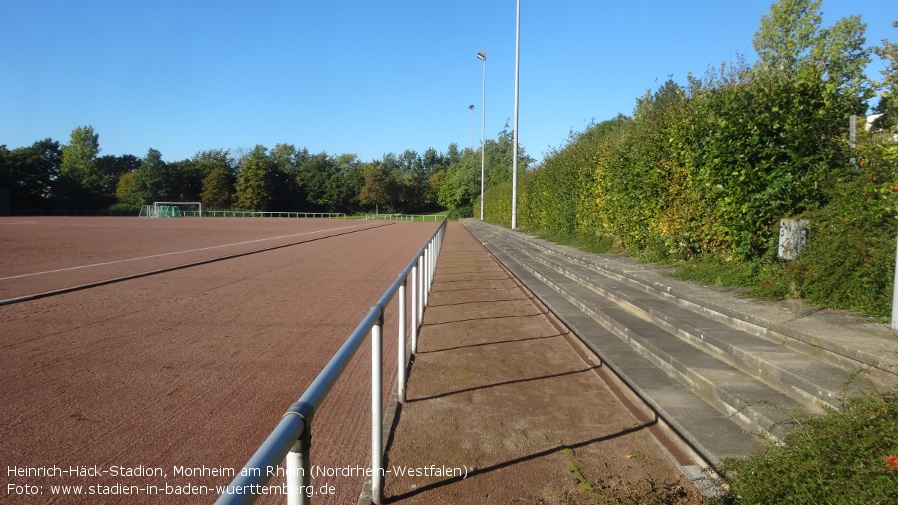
710	171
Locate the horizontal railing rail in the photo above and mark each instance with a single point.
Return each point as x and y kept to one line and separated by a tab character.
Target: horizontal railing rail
250	213
290	440
406	217
68	212
184	213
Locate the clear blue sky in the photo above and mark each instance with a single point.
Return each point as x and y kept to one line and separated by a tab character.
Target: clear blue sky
349	76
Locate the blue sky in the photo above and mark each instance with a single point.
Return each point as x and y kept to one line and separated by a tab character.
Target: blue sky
347	76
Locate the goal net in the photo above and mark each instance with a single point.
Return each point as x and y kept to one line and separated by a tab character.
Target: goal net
172	209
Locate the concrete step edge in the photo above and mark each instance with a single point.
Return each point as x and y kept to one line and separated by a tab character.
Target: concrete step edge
745	413
774	374
793	336
695	435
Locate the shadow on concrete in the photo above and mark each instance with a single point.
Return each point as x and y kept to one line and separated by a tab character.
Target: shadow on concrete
476	302
503	383
498	342
515	461
478	319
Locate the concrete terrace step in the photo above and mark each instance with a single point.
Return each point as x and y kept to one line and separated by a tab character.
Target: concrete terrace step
720	378
829	336
754	406
787	369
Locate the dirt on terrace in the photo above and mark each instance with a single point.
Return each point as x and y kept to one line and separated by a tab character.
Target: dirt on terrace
503	405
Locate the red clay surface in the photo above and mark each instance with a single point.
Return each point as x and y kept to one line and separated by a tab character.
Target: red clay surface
192	367
45	254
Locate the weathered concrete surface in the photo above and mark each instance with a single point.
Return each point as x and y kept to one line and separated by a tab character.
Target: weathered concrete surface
499	391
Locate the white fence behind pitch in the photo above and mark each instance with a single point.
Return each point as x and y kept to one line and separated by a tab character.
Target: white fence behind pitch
406	217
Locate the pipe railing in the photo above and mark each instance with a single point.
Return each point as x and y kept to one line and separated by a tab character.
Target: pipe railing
67	212
406	217
250	213
290	440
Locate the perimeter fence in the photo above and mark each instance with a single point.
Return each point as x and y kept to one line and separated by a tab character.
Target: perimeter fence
71	212
249	213
184	213
290	440
406	217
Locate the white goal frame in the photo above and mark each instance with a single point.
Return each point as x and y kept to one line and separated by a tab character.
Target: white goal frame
158	209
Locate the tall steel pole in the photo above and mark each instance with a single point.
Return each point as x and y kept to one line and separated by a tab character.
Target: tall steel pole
514	170
482	56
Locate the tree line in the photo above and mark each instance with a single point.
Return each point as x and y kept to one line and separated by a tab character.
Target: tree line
50	175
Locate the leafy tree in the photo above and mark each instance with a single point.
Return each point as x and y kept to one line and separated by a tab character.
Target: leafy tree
218	189
254	186
342	189
452	154
79	159
500	158
433	161
435	183
217	169
213	159
186	180
379	188
888	100
155	180
351	178
286	190
6	177
461	186
791	44
787	32
124	190
113	168
841	59
314	173
29	172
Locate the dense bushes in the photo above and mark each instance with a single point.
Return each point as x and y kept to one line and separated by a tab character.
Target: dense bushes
849	262
846	456
708	169
704	170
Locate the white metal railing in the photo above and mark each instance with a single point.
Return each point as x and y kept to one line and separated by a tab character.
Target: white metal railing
291	438
250	213
406	217
67	212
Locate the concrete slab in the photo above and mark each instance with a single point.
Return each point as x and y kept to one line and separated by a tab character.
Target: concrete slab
501	407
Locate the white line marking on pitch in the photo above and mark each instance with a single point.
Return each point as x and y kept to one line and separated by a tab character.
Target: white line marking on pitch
19	222
173	253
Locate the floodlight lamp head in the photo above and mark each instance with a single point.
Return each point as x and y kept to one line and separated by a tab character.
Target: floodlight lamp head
481	55
471	107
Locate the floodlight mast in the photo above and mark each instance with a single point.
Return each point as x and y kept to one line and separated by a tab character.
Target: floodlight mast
517	73
482	57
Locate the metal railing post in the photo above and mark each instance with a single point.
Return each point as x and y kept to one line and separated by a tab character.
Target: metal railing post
400	377
299	470
377	409
420	289
436	244
426	286
414	297
433	261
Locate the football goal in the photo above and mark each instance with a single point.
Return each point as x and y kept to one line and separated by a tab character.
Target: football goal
172	209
